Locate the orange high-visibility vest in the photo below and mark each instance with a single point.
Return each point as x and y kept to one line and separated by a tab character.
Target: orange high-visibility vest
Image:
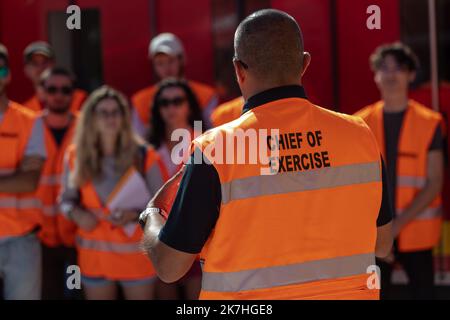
79	96
19	212
143	99
307	232
50	184
107	251
227	111
419	126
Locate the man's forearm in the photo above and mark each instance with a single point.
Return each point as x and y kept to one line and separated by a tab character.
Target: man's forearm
20	182
152	228
422	201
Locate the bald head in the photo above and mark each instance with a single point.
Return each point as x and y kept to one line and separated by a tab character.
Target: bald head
270	42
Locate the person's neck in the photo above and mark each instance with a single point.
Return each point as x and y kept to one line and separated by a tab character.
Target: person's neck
395	102
108	145
58	120
254	90
3	102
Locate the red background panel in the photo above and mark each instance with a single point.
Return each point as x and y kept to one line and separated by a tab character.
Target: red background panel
191	22
314	20
355	44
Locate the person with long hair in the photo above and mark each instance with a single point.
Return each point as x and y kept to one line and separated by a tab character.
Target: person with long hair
175	106
105	154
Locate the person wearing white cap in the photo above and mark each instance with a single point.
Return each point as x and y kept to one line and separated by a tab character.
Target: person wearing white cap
168	58
38	57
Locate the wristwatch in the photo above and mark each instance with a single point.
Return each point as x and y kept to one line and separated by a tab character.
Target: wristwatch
149	211
67	208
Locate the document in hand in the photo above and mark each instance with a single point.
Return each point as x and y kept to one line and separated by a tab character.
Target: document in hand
129	194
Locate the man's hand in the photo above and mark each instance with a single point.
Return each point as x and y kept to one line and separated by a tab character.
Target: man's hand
86	220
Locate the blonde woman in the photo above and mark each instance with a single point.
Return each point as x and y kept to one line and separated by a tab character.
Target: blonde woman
105	151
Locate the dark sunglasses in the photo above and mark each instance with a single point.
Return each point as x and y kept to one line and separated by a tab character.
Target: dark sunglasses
242	63
4	71
64	90
178	101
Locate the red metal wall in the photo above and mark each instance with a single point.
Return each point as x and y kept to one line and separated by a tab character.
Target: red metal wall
194	29
19	24
356	43
314	19
125	36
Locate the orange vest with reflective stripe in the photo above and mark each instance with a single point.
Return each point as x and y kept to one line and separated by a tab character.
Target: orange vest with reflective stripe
307	232
50	184
143	100
107	251
419	126
79	96
227	112
19	212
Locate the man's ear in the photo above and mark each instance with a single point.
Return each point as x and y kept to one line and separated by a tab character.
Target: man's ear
239	71
306	61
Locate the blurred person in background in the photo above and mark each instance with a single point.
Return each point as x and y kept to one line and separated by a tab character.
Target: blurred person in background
105	150
175	107
411	140
21	161
39	56
167	54
59	126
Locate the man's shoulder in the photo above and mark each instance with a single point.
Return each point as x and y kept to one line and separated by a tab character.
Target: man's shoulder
201	89
368	110
341	119
21	111
425	112
227	111
143	94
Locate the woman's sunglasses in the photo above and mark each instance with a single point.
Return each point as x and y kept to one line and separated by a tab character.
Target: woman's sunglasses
178	101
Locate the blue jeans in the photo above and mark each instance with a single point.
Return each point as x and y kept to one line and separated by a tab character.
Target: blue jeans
21	268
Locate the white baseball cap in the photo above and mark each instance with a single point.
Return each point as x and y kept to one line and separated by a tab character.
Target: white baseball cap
167	43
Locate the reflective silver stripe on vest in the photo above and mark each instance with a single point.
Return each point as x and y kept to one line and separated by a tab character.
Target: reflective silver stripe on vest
51	180
428	213
50	210
20	203
300	181
108	246
287	275
411	181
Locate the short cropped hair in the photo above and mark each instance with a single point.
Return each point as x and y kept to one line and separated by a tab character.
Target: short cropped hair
56	71
403	54
270	42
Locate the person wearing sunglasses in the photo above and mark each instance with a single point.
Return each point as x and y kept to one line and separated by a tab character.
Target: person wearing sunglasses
21	160
167	54
58	130
175	107
97	165
39	56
